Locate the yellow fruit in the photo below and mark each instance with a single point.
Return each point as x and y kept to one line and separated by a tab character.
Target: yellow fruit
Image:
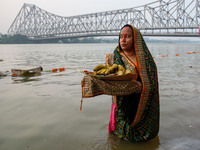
99	72
108	66
99	67
103	71
127	71
113	68
120	67
120	72
107	71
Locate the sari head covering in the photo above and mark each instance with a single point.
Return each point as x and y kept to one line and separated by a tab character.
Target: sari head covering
144	121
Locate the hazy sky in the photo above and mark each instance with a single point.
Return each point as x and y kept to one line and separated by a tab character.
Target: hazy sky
10	8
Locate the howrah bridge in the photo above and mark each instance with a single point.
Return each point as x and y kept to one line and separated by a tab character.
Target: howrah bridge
159	18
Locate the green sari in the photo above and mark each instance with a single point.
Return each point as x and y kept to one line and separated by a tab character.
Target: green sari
141	121
137	111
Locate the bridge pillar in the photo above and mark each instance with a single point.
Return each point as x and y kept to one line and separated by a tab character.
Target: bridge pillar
199	30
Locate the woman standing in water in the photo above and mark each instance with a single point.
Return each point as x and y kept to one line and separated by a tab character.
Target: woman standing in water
135	108
135	117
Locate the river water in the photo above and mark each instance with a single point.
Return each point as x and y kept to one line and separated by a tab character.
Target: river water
42	112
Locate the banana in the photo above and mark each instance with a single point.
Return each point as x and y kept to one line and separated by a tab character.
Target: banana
103	71
99	71
99	67
127	71
120	67
120	72
107	71
108	66
113	68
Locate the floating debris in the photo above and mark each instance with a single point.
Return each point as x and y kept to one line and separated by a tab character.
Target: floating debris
60	69
3	74
54	70
26	71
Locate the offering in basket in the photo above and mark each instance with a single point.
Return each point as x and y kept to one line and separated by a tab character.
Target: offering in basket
112	72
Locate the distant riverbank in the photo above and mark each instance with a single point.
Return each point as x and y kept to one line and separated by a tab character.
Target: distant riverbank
22	39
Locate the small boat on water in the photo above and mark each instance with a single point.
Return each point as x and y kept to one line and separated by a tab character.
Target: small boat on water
26	70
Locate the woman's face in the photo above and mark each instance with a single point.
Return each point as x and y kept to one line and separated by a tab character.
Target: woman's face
126	39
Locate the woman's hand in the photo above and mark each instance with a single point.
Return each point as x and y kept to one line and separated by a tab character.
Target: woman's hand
114	100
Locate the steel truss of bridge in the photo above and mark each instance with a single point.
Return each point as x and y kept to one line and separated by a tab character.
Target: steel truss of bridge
159	18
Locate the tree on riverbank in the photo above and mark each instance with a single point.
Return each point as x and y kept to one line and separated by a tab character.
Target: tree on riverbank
14	39
22	39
